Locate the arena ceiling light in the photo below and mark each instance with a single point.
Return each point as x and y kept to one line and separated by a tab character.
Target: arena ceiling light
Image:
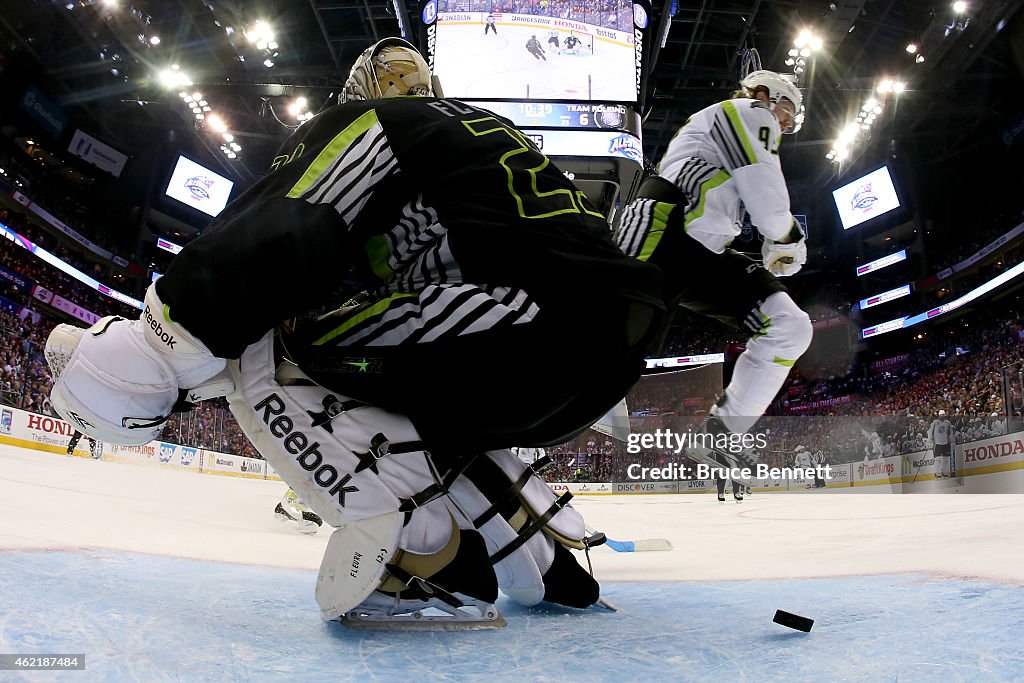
298	109
804	45
216	123
260	32
870	110
173	77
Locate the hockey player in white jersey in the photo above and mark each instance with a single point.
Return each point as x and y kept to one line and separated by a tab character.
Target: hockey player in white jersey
296	514
725	160
940	436
803	460
388	416
529	455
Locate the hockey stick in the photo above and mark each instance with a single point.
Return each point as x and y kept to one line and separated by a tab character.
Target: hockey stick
639	546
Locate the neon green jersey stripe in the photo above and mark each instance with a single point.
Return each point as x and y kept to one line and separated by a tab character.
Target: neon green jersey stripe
377	253
741	132
705	187
376	309
659	220
329	153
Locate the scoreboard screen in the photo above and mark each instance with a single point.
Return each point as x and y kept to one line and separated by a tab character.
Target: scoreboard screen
537	52
577	115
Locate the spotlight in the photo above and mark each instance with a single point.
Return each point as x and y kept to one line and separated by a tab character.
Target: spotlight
912	48
216	123
959	7
155	40
919	59
268	63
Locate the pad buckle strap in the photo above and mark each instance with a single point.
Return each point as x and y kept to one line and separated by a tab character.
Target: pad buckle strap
532	528
381	447
540	464
536	467
421	584
435	491
507	498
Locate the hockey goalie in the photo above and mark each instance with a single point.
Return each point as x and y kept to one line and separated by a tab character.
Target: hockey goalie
366	311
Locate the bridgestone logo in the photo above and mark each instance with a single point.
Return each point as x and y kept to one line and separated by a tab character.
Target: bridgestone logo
166	337
307	452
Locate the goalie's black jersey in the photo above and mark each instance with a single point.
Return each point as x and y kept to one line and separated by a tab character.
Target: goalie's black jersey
447	215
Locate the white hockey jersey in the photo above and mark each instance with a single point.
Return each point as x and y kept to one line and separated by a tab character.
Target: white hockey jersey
740	137
528	455
939	432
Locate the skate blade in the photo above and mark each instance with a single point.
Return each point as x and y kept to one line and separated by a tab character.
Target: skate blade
411	624
425	618
307	528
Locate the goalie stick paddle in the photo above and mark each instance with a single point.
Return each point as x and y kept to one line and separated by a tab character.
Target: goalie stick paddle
639	546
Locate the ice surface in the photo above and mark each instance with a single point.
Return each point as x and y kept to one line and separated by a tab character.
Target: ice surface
157	574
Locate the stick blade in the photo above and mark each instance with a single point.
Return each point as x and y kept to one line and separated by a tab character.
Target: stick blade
643	545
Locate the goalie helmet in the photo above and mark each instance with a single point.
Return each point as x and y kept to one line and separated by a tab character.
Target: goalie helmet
389	68
778	86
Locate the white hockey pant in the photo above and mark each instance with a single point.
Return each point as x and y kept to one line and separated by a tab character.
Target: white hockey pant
781	334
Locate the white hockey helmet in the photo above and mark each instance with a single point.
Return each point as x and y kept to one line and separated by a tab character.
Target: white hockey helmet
778	86
108	384
391	67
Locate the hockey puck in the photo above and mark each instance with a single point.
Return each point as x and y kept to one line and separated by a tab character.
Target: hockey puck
793	621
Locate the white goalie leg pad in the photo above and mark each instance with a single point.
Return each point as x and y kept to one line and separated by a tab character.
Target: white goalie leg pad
520	572
321	443
354	562
334	452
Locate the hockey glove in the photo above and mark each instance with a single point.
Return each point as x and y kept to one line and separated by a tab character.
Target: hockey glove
783	259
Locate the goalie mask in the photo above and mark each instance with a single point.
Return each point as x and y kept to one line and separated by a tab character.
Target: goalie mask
389	68
108	383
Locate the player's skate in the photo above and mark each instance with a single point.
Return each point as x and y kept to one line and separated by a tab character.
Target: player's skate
294	513
716	446
441	611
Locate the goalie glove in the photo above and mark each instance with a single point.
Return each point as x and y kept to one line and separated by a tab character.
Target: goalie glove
783	259
120	380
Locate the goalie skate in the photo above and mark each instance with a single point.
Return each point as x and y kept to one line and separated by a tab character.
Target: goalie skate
382	611
293	513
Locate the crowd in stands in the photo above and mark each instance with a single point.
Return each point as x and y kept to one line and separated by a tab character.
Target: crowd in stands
19	260
66	200
979	237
